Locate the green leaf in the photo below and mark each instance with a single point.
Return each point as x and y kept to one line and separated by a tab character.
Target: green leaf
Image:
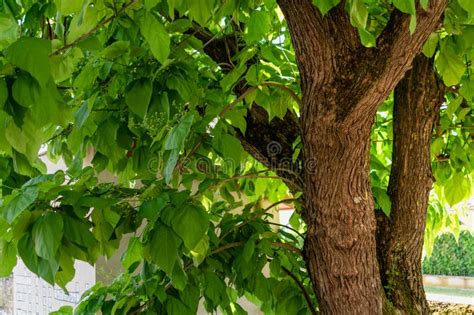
63	310
133	254
62	67
176	307
412	24
236	117
258	26
181	84
3	92
467	90
150	4
21	200
8	30
106	135
406	6
163	248
82	114
382	199
156	36
26	250
170	165
25	91
46	269
139	96
366	37
66	270
47	234
453	105
450	65
178	134
79	232
7	257
116	49
179	278
67	7
325	5
31	55
462	113
151	209
431	44
249	249
232	77
231	150
358	13
280	105
457	189
84	22
190	223
86	79
160	104
467	5
215	287
424	4
200	10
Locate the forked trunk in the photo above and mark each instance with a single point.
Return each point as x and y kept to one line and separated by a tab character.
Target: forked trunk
417	100
342	84
340	244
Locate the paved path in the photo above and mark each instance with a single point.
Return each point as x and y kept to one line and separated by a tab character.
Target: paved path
449	295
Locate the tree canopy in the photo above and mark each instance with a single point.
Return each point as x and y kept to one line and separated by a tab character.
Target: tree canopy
194	106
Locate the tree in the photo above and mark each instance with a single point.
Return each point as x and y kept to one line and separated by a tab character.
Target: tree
203	107
418	98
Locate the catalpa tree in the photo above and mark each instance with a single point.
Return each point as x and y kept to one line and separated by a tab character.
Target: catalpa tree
212	113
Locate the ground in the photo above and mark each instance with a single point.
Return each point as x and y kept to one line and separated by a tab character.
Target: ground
439	308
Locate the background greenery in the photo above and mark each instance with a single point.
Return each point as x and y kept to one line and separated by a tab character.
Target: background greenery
451	257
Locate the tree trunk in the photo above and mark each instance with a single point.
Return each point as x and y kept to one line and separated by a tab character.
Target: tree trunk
340	244
417	100
342	84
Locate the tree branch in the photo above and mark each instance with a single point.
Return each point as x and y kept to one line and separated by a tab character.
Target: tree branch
396	49
271	143
94	29
260	132
302	288
311	41
287	246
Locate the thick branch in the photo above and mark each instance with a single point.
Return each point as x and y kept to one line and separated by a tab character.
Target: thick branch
311	41
270	143
417	100
387	64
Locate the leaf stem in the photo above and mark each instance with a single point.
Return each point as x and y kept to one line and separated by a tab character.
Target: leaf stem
94	29
303	290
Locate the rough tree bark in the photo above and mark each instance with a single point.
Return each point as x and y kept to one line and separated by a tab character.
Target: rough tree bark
417	100
343	84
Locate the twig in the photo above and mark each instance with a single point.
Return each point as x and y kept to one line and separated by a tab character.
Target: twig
286	227
236	101
303	290
94	29
287	246
286	89
227	246
257	215
288	200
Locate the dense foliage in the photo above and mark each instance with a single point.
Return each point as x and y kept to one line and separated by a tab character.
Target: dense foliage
451	257
134	87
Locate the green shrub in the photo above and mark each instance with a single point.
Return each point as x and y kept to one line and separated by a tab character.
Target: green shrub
451	258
